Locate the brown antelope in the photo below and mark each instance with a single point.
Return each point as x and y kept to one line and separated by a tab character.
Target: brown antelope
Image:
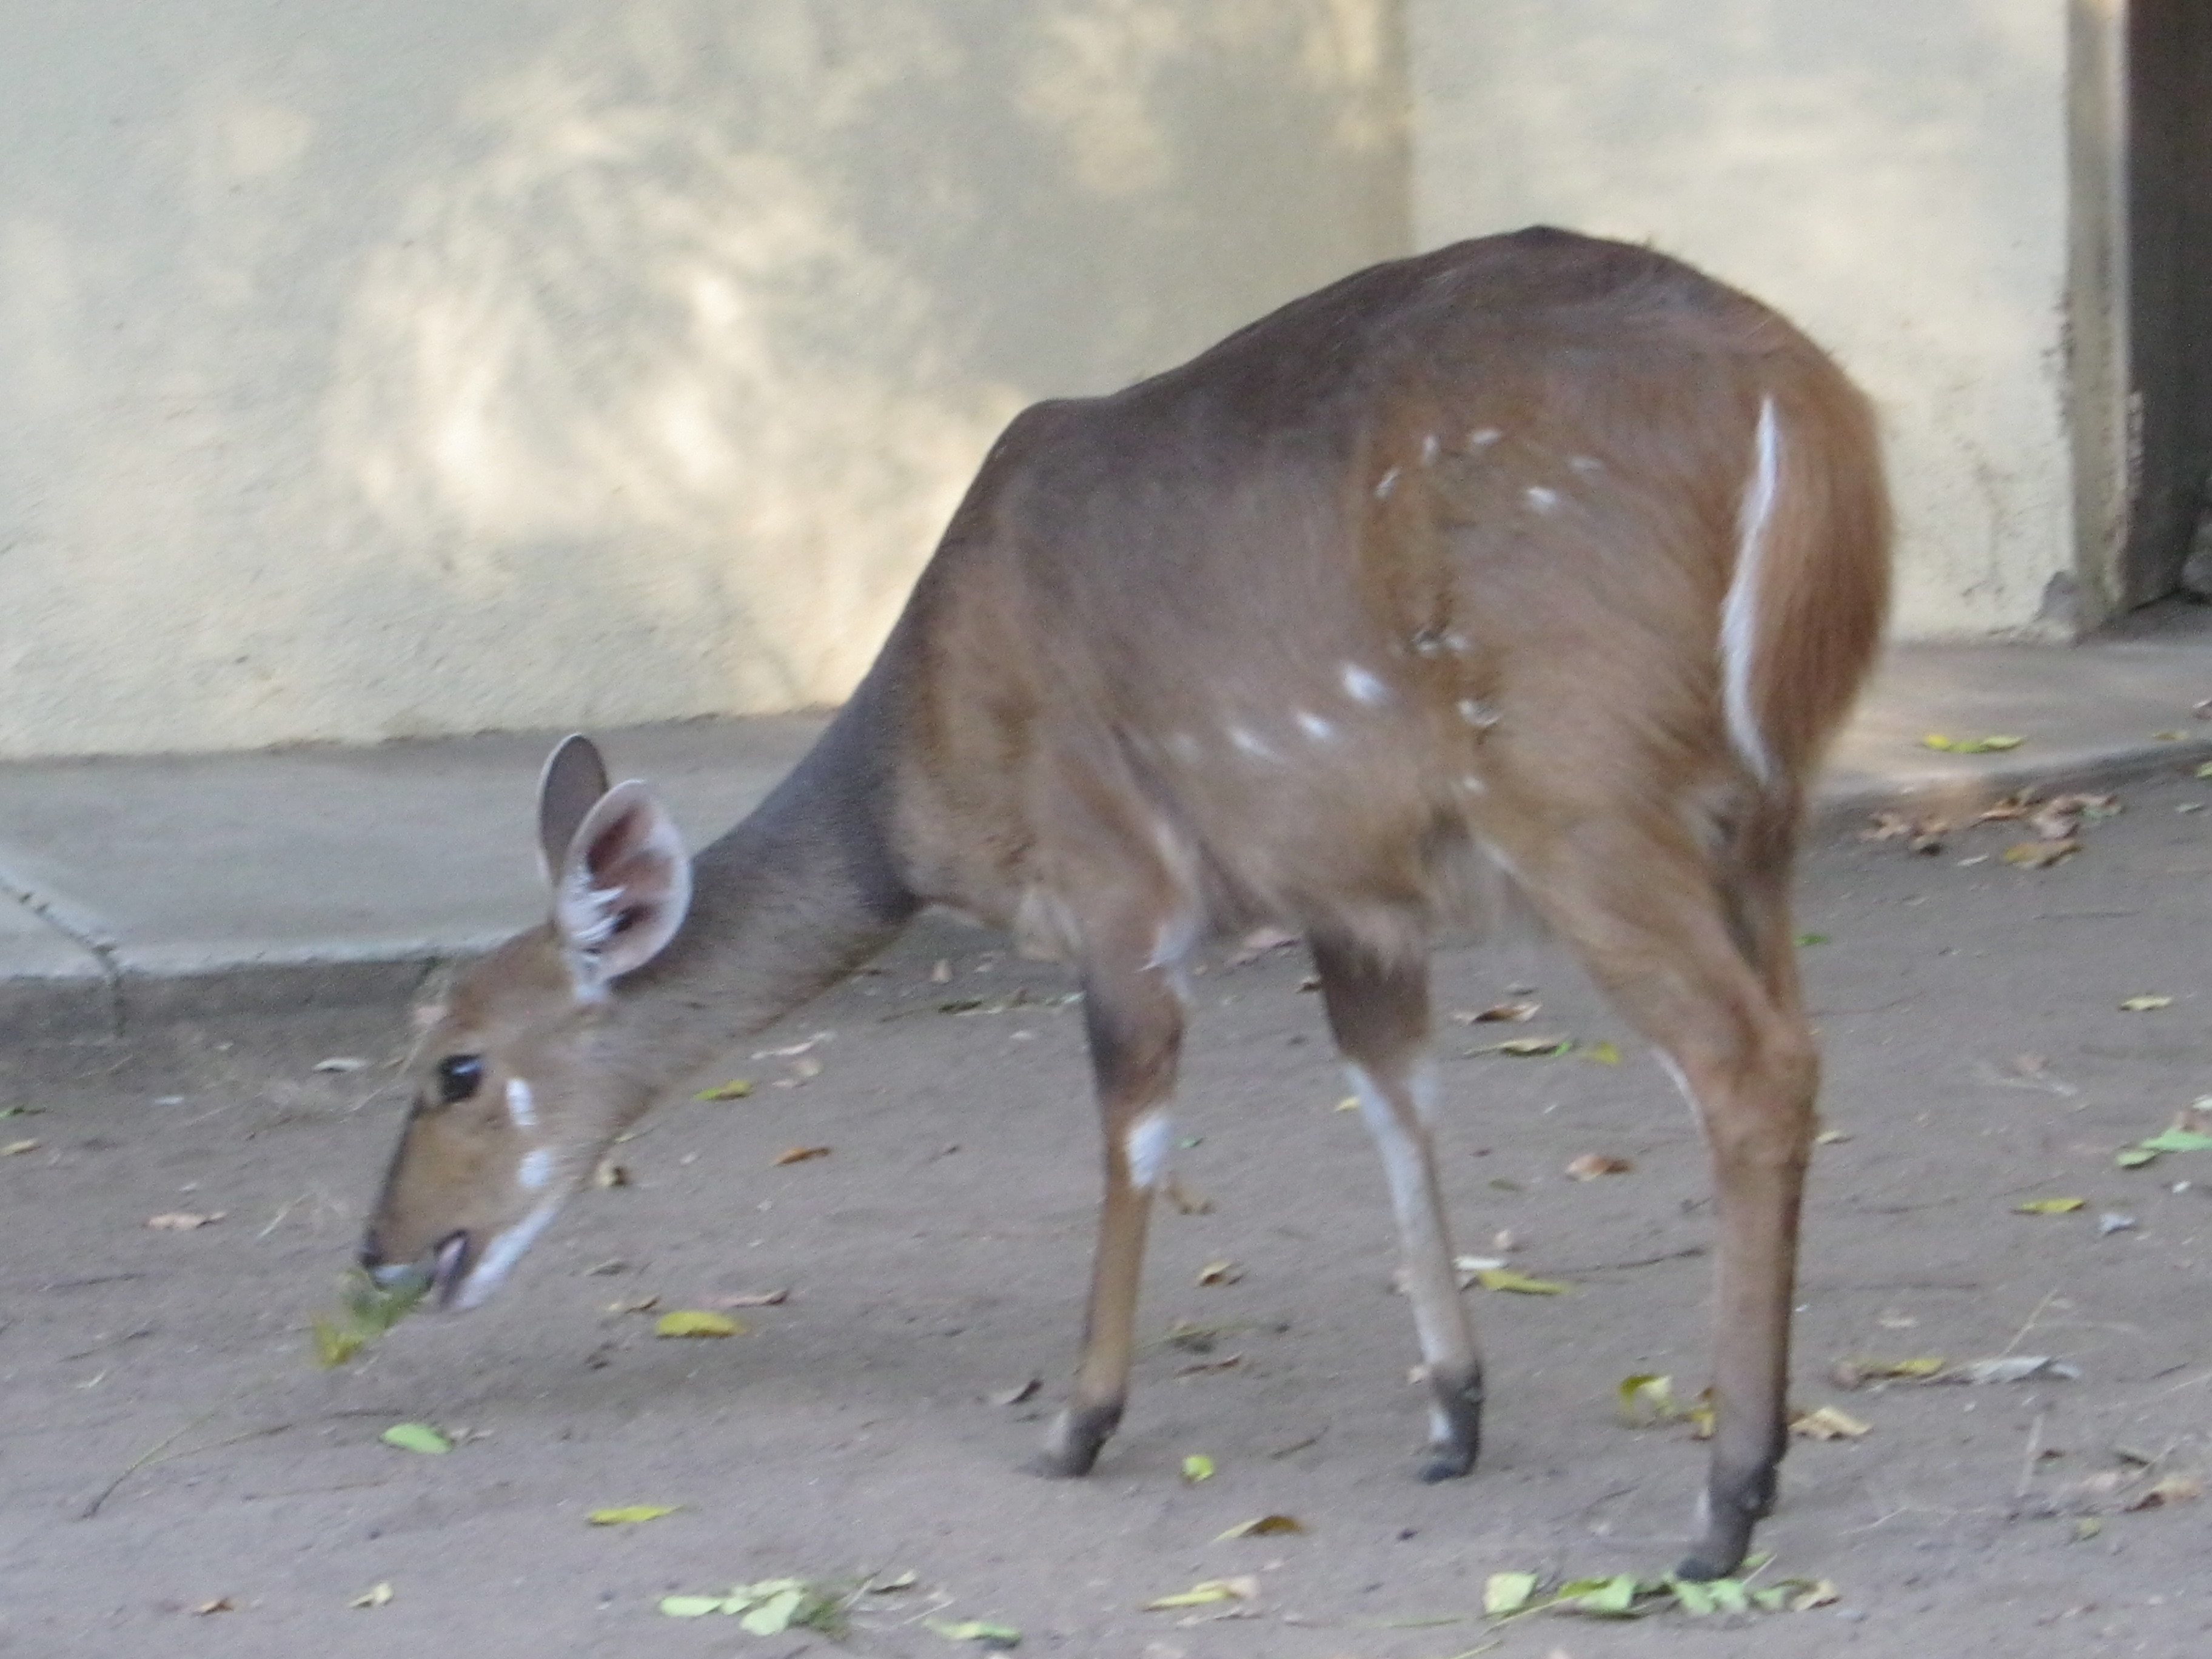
1538	559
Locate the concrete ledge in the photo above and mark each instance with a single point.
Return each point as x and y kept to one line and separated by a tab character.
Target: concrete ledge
136	892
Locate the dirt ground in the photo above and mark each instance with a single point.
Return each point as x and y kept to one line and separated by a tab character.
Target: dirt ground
166	1445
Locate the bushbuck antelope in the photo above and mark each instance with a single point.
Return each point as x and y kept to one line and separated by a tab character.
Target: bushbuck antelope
1535	559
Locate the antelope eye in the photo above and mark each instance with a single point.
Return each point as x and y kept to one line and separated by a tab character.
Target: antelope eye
457	1078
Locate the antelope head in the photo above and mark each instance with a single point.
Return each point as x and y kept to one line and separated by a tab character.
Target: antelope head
514	1092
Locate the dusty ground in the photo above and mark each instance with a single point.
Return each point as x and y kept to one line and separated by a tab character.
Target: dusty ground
934	1259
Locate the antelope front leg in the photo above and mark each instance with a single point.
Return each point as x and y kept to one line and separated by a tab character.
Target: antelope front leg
1379	1016
1134	1022
1759	1122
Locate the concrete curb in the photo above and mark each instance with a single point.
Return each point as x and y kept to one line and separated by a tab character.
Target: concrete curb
96	989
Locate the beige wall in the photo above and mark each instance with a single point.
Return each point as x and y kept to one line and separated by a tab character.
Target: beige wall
417	367
1891	173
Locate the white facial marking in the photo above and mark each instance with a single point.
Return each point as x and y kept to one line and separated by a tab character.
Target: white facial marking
536	1168
1314	726
521	1105
1363	687
1543	499
1149	1141
1389	482
1252	743
1456	643
1482	437
1429	448
1739	612
506	1250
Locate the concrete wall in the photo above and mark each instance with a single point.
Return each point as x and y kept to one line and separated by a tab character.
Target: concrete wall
417	367
1893	173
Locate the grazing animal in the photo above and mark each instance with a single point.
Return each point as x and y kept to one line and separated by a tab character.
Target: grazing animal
1536	559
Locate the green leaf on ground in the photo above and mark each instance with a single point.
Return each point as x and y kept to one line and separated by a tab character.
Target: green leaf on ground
1197	1467
1996	745
1504	1593
1505	1279
980	1631
2049	1206
736	1089
416	1437
697	1322
629	1515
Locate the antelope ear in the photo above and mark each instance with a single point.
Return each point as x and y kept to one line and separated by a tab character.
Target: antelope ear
623	887
573	779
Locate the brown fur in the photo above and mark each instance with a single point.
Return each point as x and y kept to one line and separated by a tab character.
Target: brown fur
1421	575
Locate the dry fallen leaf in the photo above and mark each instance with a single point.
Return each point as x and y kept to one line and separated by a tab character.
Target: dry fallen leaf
1220	1273
342	1063
1590	1165
221	1604
1828	1423
2039	855
1923	835
183	1221
1857	1372
1186	1201
1515	1011
17	1148
1265	1526
2144	1005
752	1299
2170	1489
376	1596
801	1154
1015	1396
608	1174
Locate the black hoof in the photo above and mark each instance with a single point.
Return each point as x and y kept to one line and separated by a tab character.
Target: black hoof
1456	1427
1071	1445
1446	1463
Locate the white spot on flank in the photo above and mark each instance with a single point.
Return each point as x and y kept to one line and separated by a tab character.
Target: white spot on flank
1482	437
1363	687
1252	743
537	1169
1738	643
521	1106
1542	499
1471	784
1586	465
1148	1142
1389	482
1314	726
1480	715
506	1250
1429	448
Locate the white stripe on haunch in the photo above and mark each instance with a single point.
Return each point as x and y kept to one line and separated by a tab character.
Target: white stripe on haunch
1739	613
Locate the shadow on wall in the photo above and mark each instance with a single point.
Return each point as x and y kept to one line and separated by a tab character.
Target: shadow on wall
657	374
1892	175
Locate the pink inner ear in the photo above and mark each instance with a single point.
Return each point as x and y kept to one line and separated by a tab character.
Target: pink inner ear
622	858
